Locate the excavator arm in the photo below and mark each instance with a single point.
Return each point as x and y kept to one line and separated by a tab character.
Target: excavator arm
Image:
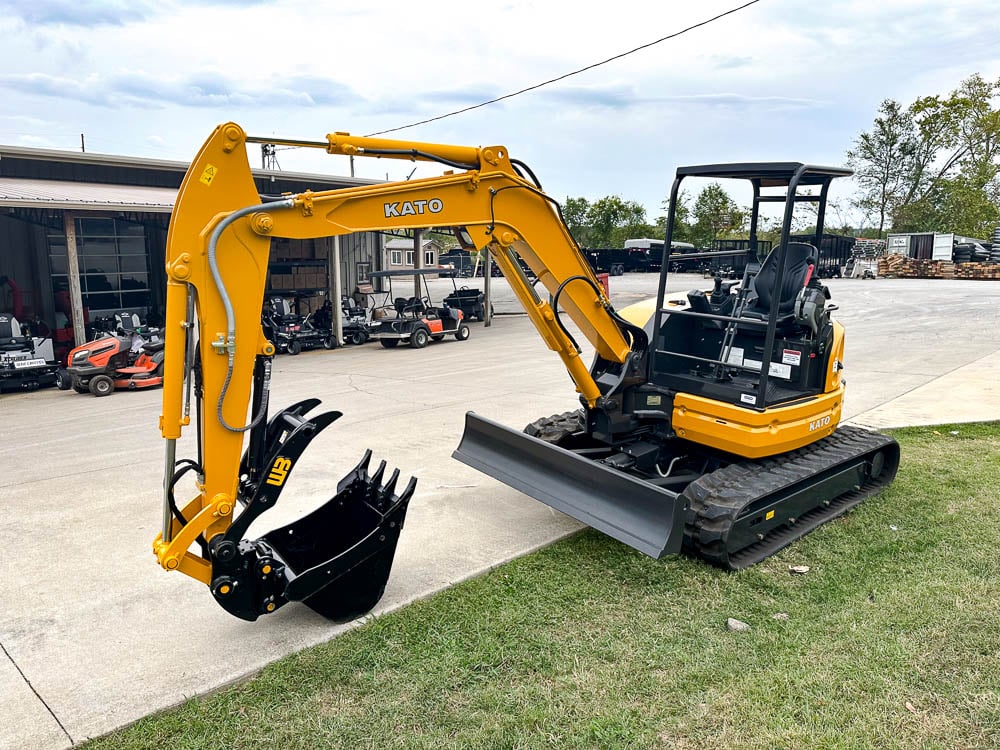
217	257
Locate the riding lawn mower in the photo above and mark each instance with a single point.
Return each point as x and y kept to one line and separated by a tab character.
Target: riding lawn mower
131	357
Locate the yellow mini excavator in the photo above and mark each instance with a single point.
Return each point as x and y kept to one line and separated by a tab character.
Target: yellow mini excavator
708	424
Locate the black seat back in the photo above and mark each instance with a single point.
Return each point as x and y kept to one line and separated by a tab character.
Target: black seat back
12	338
9	328
798	258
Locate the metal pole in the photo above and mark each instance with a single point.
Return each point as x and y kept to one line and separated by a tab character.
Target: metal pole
75	295
487	295
335	291
418	262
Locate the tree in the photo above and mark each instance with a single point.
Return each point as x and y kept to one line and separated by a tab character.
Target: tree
715	213
960	204
613	219
607	222
935	165
682	216
574	212
960	150
882	160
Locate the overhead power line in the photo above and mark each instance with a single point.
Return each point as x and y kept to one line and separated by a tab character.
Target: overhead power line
572	73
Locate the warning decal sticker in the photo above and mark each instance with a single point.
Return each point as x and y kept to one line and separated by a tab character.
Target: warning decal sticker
208	174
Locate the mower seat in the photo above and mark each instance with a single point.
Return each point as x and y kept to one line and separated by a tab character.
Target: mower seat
800	260
11	338
127	322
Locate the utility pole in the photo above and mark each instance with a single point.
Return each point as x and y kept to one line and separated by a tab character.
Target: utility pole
83	146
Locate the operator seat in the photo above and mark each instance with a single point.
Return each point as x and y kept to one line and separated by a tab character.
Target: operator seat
800	259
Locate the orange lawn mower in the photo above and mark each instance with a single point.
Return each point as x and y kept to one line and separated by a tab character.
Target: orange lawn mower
130	358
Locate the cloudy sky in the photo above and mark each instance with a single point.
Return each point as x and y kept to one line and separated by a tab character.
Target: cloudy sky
781	79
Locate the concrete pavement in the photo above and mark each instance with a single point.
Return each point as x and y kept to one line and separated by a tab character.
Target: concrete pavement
94	635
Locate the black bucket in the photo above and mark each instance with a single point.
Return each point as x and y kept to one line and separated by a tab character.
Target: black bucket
634	512
338	558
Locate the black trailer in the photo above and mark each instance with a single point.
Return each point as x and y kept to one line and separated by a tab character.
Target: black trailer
610	260
457	263
834	252
732	265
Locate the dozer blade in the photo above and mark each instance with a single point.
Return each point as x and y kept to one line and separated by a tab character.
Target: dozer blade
634	512
338	557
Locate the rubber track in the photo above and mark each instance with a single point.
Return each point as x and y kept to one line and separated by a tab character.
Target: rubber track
555	428
717	498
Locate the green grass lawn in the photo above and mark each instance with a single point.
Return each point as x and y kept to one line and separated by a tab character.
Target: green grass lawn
892	640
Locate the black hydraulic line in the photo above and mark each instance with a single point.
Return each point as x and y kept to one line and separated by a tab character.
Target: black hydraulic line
186	465
637	334
415	153
256	445
199	394
526	168
555	305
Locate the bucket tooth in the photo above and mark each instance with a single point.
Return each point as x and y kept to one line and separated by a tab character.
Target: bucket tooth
388	489
358	473
376	478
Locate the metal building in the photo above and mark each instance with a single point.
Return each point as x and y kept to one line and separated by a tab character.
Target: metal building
110	214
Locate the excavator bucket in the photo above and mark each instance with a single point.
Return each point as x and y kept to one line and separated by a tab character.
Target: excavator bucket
339	556
335	560
635	513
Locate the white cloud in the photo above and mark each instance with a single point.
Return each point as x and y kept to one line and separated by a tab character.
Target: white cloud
782	79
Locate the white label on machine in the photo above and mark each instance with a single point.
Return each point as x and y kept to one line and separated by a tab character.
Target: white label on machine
20	364
777	370
791	357
735	356
748	398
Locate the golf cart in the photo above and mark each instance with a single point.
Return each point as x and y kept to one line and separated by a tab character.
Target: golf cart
412	319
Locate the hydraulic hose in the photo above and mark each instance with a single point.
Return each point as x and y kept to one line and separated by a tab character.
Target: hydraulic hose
220	286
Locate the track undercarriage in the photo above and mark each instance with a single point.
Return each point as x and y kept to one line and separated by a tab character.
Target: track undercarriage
729	511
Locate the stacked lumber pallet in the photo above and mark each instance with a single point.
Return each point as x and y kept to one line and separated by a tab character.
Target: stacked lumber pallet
987	271
901	267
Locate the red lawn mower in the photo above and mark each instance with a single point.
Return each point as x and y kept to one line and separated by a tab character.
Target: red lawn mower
131	357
